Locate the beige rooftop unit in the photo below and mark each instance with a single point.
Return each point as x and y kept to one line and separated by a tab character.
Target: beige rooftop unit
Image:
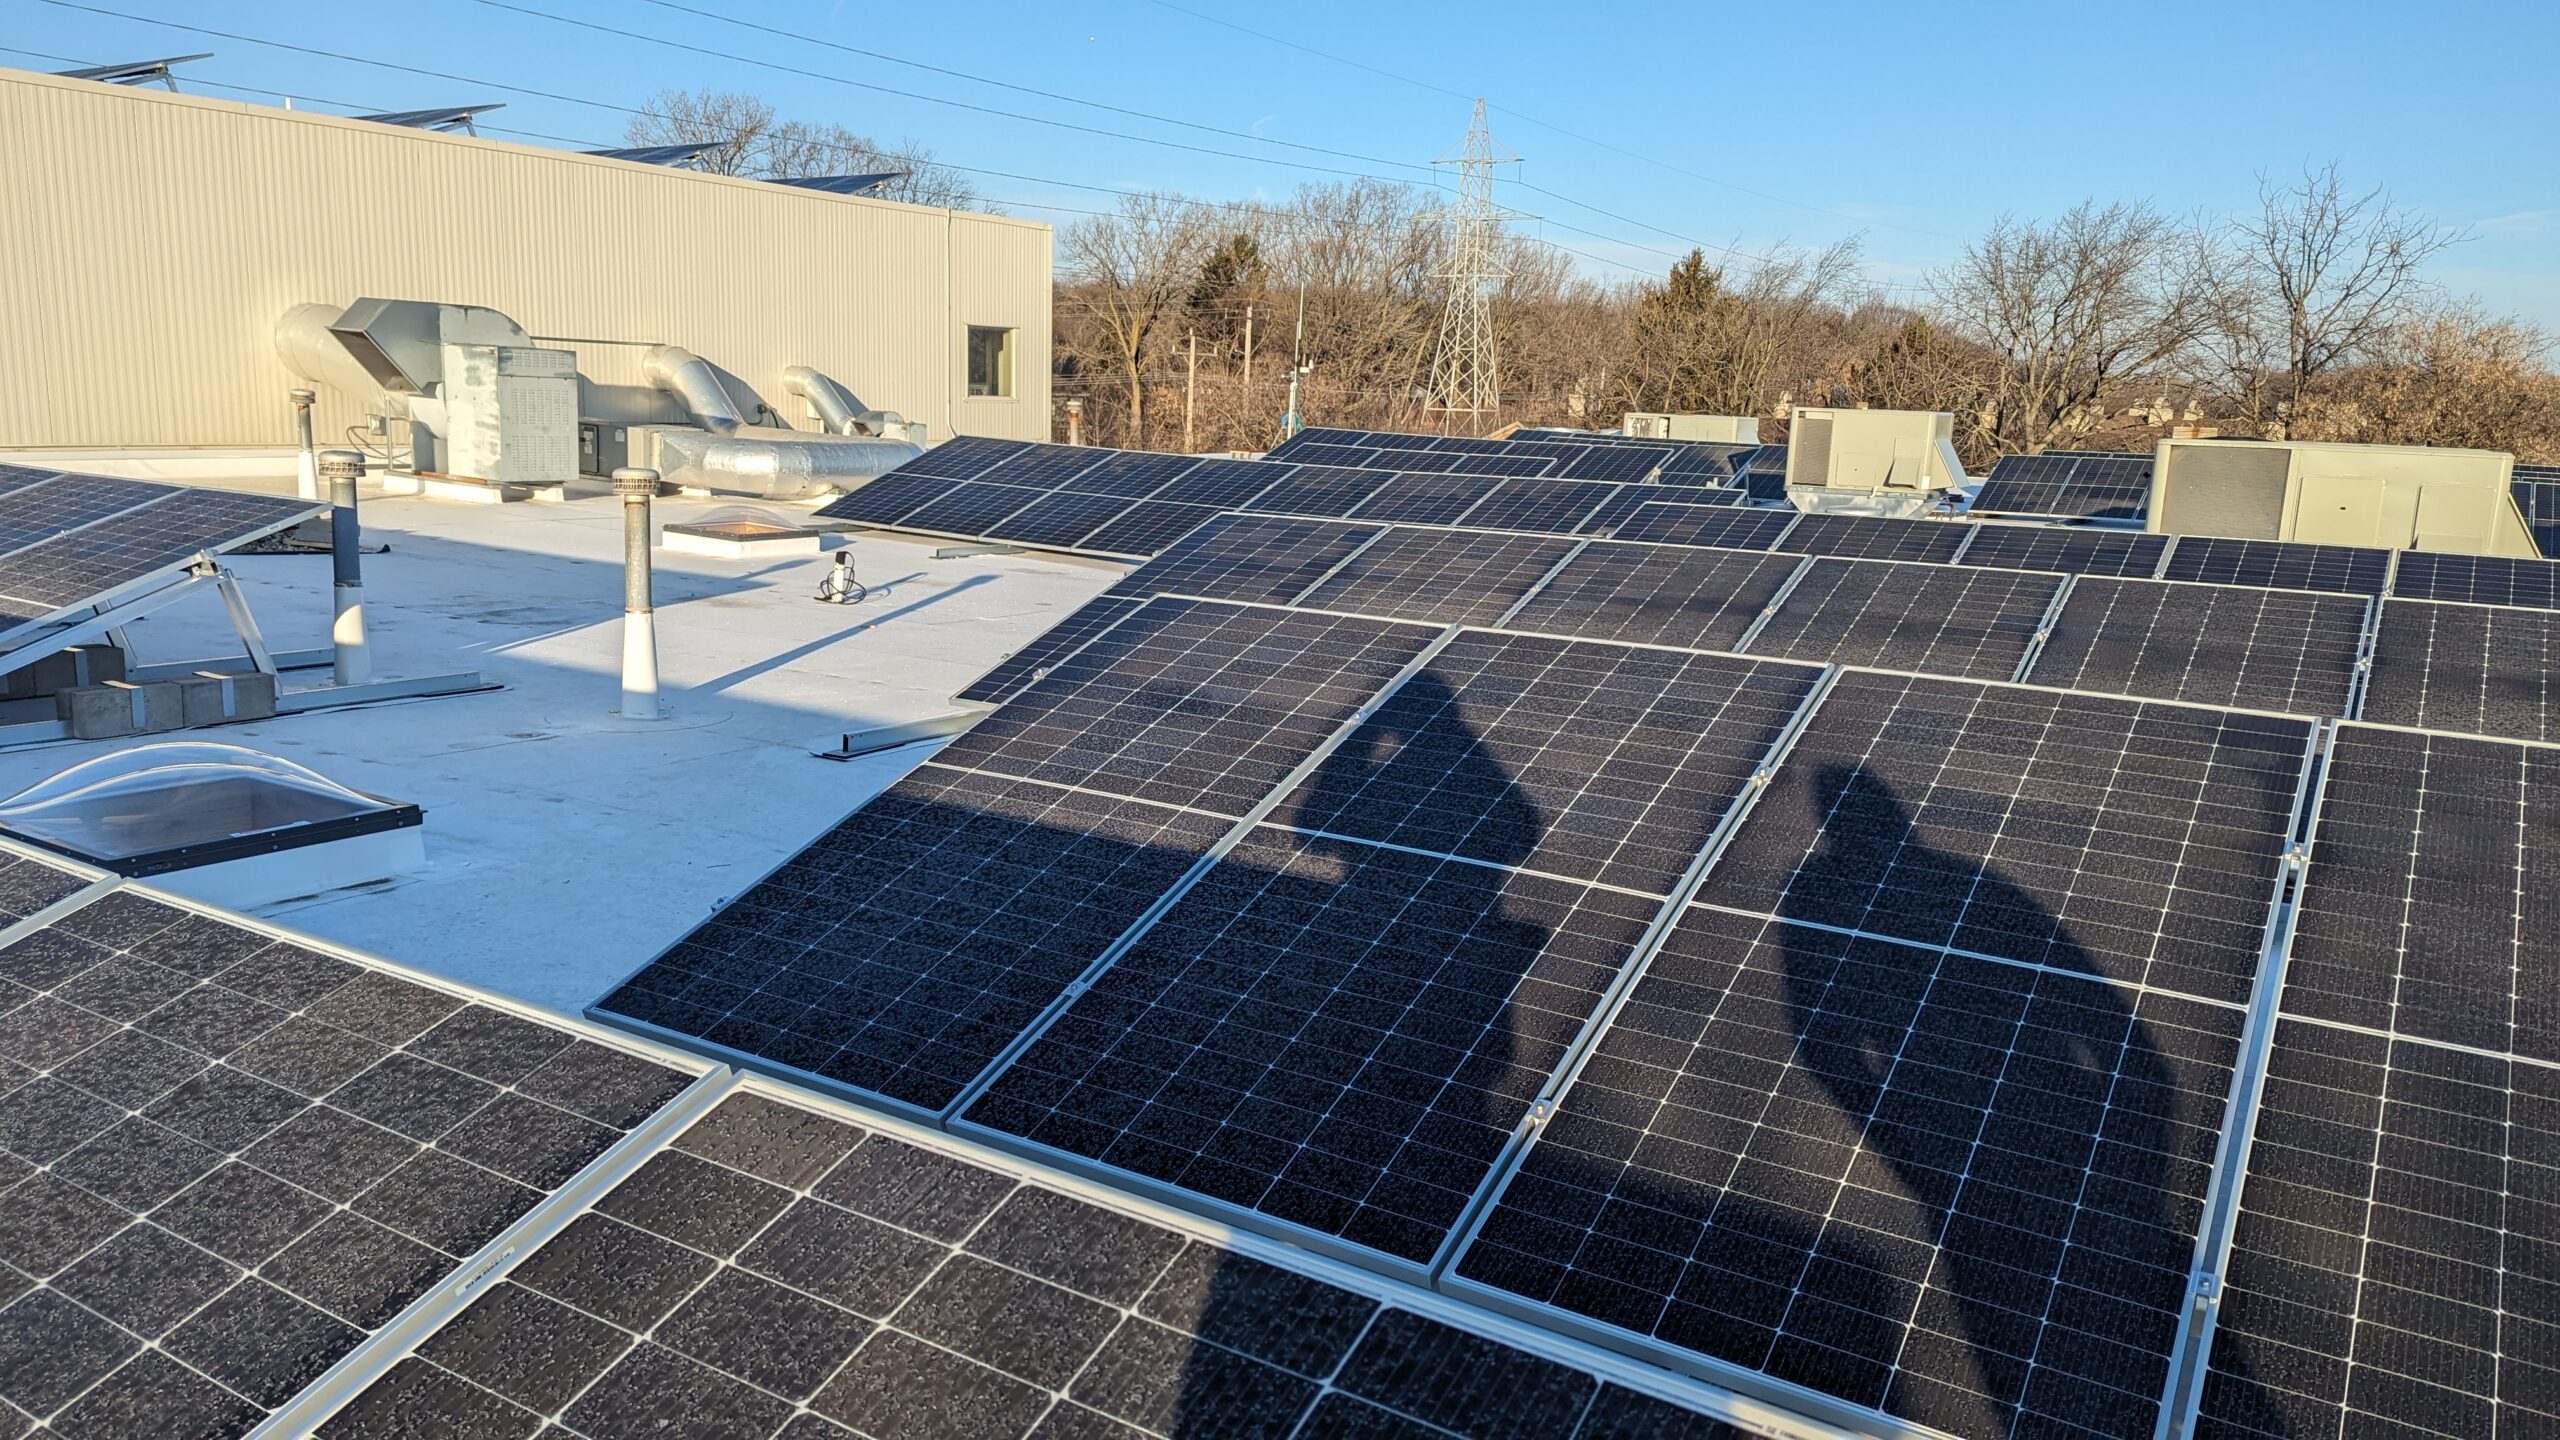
1871	462
2399	497
1727	429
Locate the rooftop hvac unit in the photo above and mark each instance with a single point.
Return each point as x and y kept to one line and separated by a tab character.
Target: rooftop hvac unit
1728	429
1872	462
2400	497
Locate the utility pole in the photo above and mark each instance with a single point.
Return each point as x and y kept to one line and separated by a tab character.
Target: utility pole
1190	389
1466	373
1298	367
1248	349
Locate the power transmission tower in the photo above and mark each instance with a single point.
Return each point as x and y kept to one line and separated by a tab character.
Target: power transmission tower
1466	372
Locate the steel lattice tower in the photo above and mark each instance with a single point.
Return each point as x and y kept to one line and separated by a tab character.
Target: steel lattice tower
1466	371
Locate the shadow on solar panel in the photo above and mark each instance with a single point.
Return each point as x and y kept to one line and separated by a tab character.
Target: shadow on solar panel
1960	1191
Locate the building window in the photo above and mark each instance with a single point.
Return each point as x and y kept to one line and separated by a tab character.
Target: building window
990	360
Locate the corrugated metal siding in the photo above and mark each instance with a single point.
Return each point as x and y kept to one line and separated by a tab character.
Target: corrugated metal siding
152	241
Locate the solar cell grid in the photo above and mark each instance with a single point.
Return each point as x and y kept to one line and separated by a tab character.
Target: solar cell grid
1248	557
1704	525
1424	499
1455	577
1856	537
1192	703
2079	485
1043	467
1616	462
1959	1191
1658	594
19	477
1945	620
2147	836
971	508
1556	507
776	1258
1221	483
2390	1271
1706	460
1600	763
901	952
1131	474
118	550
890	498
1766	475
2277	564
964	457
2426	909
1333	1036
2072	552
1319	490
29	883
43	511
1621	507
231	1159
1044	651
2537	492
1148	528
2474	668
1061	517
2286	650
2478	579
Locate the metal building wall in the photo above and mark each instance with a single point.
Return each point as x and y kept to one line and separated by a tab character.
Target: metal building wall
148	243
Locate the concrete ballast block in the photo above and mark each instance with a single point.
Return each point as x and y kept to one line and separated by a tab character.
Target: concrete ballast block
117	708
210	697
64	670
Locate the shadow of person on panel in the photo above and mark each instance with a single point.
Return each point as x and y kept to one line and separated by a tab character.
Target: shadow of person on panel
2021	1135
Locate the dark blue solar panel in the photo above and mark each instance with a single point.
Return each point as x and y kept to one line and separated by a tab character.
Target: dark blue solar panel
1860	538
1062	517
1556	507
1147	528
965	457
889	498
1132	475
99	557
2278	564
2071	551
1223	483
1037	658
970	509
1705	525
1425	499
42	511
2479	579
1630	498
1044	467
1615	462
1262	558
1320	490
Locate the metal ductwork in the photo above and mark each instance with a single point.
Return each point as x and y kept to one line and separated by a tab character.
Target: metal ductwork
306	342
695	385
766	461
839	413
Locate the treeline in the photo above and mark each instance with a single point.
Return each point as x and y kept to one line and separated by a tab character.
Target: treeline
2312	317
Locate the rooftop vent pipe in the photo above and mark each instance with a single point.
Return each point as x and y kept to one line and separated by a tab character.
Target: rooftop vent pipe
696	386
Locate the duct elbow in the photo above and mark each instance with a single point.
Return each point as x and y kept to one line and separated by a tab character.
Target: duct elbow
695	385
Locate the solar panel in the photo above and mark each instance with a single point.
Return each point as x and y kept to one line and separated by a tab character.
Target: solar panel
254	1155
890	498
1704	525
43	511
1556	507
1221	482
1658	595
2278	564
2147	836
1705	460
2537	492
1248	557
29	883
19	477
1959	1191
1424	499
1618	508
1192	703
2073	552
1131	474
1319	490
1616	462
971	508
2476	668
1044	651
901	952
964	457
2284	650
2424	908
2079	485
1318	452
1043	467
1148	528
1765	474
2389	1273
1948	621
1332	1036
1456	577
1856	537
2479	579
1061	518
779	1254
88	563
1602	763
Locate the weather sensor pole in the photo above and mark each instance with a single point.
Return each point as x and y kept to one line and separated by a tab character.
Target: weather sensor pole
1466	374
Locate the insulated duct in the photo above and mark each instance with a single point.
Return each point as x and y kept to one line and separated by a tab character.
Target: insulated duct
308	348
839	413
768	462
695	385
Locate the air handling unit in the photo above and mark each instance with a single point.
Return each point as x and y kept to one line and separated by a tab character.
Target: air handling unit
1871	462
1725	429
2399	497
482	401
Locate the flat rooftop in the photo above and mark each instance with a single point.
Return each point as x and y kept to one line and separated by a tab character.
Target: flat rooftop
565	845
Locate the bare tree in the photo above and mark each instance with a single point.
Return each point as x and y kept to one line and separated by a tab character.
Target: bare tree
748	139
2077	311
1133	272
2317	278
1727	343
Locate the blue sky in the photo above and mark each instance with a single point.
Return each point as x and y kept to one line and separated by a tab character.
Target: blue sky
1911	126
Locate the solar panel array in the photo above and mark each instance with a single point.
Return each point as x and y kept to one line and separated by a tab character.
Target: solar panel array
1562	455
2068	484
1136	504
72	541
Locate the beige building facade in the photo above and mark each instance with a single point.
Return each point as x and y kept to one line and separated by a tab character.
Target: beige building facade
149	243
